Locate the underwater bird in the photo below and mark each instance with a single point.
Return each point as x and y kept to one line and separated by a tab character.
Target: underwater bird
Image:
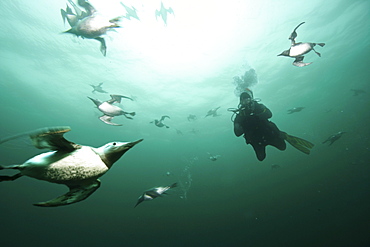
194	131
213	112
154	193
295	109
74	165
274	166
130	12
111	110
334	137
159	123
179	132
163	13
213	157
357	92
192	117
98	88
297	50
93	26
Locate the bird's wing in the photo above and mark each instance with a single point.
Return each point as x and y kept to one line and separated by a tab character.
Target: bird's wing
66	13
299	62
163	117
50	137
293	35
87	6
107	119
117	98
170	11
75	194
77	9
69	10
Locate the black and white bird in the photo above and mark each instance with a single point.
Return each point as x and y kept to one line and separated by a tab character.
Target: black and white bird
110	111
297	50
154	193
76	166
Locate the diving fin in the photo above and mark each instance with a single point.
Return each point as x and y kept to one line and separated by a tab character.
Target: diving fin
299	143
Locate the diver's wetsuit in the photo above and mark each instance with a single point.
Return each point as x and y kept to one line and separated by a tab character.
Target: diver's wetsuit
258	130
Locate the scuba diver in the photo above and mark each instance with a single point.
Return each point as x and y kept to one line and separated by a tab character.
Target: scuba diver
252	121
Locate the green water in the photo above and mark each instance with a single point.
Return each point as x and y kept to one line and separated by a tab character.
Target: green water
187	67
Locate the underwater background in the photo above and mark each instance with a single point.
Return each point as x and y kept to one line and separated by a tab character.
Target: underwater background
186	64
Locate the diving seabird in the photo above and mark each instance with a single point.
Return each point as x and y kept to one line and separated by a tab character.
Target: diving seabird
74	165
297	50
154	193
334	138
295	109
213	112
111	110
159	123
93	26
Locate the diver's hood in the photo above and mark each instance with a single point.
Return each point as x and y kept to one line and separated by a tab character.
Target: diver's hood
246	94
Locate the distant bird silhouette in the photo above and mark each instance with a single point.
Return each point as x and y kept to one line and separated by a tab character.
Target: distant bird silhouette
213	157
162	12
159	123
130	12
295	109
192	117
334	138
274	166
154	193
194	131
98	88
357	92
213	112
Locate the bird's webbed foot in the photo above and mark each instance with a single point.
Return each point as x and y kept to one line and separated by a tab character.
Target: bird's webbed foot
103	47
10	178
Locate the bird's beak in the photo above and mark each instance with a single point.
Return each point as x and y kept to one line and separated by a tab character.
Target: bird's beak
131	144
115	154
141	199
68	31
96	102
